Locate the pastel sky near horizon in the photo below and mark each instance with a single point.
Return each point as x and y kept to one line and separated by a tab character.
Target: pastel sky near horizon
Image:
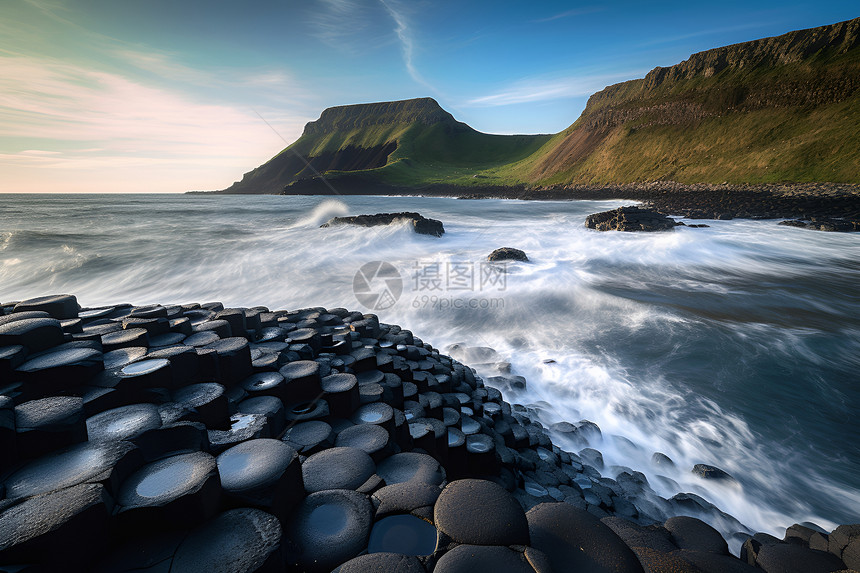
171	96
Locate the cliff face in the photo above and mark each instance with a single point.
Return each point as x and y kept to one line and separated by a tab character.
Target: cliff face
781	109
346	138
764	85
421	111
405	143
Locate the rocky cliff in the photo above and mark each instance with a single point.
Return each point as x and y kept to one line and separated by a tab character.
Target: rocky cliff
776	110
346	139
744	108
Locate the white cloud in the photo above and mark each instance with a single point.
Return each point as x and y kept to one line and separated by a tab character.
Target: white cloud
569	13
90	120
533	90
407	45
700	33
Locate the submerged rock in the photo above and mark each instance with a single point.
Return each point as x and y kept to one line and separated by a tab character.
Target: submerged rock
508	254
710	472
630	219
824	224
420	224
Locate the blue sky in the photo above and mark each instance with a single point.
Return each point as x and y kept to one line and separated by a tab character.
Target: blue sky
169	96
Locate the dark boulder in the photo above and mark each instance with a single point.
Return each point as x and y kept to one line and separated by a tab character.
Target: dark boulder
795	557
696	535
710	472
507	254
575	540
420	224
630	219
479	512
824	224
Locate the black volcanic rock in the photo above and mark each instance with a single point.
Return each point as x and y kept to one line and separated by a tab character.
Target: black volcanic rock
508	254
824	224
480	512
710	472
629	219
421	224
141	488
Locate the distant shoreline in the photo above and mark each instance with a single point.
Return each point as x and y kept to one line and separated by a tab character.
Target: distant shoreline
696	201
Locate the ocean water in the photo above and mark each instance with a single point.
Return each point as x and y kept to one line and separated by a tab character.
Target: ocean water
736	346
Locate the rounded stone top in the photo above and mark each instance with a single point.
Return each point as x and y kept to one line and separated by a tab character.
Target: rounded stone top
408	466
383	562
60	358
340	382
262	381
123	356
65	468
201	339
58	305
479	512
300	369
480	559
308	433
47	411
573	539
254	464
167	479
228	345
143	367
123	336
196	395
369	438
37	516
373	413
329	528
405	534
695	534
239	541
124	422
337	468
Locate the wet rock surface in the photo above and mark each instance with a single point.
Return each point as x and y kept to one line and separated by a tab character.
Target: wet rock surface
313	439
508	254
630	219
419	223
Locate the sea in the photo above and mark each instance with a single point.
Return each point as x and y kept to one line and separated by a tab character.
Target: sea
735	345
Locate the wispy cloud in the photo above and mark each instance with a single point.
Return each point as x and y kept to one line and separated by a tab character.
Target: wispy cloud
700	33
89	119
407	45
534	90
402	31
569	13
337	21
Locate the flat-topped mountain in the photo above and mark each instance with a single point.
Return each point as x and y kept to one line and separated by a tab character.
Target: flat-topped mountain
781	109
399	143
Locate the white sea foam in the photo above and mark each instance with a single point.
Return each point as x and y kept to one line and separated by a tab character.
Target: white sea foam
726	345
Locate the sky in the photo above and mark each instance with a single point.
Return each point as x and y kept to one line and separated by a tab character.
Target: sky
176	95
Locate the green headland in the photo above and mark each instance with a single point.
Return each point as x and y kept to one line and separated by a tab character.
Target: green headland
776	110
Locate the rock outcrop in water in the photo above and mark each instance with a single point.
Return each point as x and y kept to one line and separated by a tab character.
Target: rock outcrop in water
508	254
420	224
630	219
194	437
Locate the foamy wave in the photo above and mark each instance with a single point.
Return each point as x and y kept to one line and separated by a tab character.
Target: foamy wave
321	213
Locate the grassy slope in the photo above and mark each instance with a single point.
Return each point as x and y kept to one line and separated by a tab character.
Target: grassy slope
763	111
436	154
738	143
760	146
